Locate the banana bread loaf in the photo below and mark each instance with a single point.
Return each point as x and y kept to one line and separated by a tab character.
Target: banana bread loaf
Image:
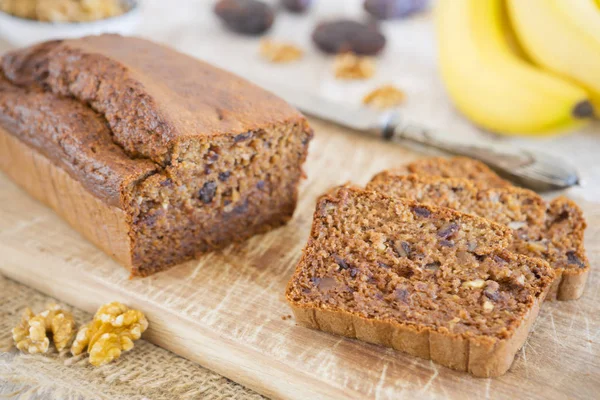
553	232
382	270
154	156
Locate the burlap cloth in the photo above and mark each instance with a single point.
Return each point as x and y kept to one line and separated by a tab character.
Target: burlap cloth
146	372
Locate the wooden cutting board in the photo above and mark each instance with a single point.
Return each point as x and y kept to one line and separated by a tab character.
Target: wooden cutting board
227	311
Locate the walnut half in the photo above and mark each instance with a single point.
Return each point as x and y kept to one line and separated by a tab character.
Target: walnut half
279	52
384	97
31	335
351	66
112	331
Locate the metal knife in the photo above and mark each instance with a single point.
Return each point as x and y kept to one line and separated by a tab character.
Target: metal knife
535	170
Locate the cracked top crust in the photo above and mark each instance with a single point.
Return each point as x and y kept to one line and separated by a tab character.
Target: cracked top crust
74	136
152	97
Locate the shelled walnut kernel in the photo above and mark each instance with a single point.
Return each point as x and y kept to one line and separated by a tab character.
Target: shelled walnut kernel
64	10
112	331
277	52
351	66
384	97
31	335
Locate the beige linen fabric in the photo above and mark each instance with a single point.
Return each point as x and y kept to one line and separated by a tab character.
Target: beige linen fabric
146	372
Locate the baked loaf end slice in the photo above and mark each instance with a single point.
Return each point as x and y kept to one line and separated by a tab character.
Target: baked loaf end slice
515	207
553	232
154	156
456	167
429	281
561	242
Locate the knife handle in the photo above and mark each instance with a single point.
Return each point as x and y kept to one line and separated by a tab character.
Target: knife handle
537	171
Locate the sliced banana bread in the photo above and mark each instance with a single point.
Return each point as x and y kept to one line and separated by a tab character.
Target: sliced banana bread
429	281
561	243
456	167
552	232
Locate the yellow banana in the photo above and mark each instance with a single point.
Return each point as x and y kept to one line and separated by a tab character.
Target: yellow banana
562	36
490	84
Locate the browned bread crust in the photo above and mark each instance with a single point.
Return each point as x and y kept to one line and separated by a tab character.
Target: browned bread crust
553	232
194	157
381	269
456	167
74	137
154	98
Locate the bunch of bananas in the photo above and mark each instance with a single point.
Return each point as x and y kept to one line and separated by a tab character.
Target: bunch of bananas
521	66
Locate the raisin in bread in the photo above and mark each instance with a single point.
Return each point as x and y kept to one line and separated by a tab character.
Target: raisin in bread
553	232
380	269
154	156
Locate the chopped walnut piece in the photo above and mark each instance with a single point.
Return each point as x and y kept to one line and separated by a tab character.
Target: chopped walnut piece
475	284
112	331
378	240
351	66
31	335
279	52
537	246
488	306
520	280
384	97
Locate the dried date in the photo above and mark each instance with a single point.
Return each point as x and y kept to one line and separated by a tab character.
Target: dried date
421	211
249	17
392	9
343	36
224	176
572	259
296	6
208	191
448	230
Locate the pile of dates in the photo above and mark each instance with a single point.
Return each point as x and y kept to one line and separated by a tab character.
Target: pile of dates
255	17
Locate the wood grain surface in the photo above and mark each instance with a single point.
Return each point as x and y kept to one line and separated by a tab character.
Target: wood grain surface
225	311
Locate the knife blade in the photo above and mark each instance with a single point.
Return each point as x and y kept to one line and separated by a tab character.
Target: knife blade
535	170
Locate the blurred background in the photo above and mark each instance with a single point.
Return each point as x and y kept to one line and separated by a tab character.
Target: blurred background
512	73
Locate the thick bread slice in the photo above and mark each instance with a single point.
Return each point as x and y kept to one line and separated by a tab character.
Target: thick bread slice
456	167
561	243
429	281
553	232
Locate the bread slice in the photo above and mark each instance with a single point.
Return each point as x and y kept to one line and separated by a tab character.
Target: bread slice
428	281
561	243
456	167
553	232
